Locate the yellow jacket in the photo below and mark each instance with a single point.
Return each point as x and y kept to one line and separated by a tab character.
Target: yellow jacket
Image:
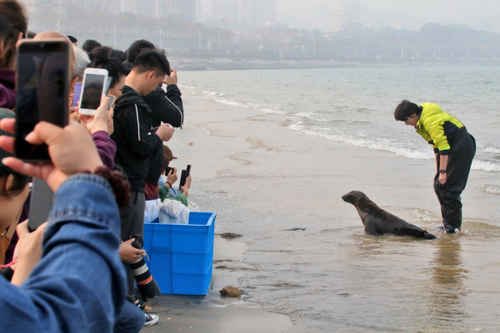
437	127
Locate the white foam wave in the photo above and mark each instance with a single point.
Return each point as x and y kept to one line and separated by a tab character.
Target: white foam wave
299	127
382	145
386	145
271	111
309	115
492	189
186	86
211	93
493	150
485	166
229	102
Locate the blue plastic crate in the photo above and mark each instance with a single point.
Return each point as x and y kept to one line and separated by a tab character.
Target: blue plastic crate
181	254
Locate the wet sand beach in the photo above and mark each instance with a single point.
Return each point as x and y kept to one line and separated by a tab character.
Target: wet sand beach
264	179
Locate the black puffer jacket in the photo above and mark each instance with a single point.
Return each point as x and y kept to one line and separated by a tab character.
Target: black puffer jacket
135	141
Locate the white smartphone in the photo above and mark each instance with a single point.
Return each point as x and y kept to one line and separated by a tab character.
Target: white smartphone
95	85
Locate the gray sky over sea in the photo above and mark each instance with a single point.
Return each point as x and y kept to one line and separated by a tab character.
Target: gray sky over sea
408	14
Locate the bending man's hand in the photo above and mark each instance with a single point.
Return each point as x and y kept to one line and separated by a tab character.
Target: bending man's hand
443	178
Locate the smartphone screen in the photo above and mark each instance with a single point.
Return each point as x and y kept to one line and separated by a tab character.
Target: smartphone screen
41	92
92	91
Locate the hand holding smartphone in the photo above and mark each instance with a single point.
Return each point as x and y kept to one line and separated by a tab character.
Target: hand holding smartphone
95	85
42	92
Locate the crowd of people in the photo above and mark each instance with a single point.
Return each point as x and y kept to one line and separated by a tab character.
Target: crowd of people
84	270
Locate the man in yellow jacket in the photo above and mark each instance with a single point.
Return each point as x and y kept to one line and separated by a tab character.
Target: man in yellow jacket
454	149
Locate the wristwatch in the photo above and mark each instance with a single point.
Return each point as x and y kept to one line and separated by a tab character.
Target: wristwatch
442	172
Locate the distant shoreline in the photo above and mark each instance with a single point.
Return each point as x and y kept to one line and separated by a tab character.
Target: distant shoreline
197	64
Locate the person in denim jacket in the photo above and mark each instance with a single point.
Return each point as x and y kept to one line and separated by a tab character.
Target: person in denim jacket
78	285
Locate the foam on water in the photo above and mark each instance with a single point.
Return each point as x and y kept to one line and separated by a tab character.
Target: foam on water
355	115
485	166
230	102
492	189
380	144
493	150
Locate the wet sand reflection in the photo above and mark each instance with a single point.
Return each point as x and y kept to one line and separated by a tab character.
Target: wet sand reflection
447	308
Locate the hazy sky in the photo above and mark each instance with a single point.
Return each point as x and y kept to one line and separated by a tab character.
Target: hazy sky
411	14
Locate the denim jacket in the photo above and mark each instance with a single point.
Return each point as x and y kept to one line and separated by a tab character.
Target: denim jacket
79	284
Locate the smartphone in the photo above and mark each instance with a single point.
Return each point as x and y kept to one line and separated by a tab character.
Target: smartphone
184	174
183	179
94	85
76	94
167	171
42	92
41	200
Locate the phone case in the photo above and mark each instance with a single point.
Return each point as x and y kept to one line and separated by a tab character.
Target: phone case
41	201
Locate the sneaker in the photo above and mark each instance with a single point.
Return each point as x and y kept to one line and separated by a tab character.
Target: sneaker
151	319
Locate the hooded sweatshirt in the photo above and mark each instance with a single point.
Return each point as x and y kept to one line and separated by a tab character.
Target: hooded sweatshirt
135	141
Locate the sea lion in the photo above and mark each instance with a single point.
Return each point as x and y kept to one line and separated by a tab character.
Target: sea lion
378	222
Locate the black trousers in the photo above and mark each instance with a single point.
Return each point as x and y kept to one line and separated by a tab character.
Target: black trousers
132	224
459	163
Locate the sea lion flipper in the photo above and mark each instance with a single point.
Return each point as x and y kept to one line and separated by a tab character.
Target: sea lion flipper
428	235
415	231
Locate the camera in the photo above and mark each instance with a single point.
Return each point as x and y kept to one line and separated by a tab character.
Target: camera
148	288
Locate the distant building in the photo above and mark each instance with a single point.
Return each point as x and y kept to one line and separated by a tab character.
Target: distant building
256	13
129	6
250	13
187	9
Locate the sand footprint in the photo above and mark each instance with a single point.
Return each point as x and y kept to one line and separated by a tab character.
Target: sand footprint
259	144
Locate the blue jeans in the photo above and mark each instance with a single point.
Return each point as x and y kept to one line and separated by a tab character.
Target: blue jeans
130	320
79	283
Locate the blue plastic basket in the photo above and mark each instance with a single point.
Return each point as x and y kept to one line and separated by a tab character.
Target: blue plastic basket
181	255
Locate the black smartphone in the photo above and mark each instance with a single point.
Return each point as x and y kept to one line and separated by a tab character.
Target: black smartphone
184	175
167	171
42	90
183	178
41	199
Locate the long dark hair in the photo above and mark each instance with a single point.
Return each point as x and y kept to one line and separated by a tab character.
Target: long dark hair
13	21
105	57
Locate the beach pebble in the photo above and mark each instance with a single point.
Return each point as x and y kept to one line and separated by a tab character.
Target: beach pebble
230	235
230	291
296	229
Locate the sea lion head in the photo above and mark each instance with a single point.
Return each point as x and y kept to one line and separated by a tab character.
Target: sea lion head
354	197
